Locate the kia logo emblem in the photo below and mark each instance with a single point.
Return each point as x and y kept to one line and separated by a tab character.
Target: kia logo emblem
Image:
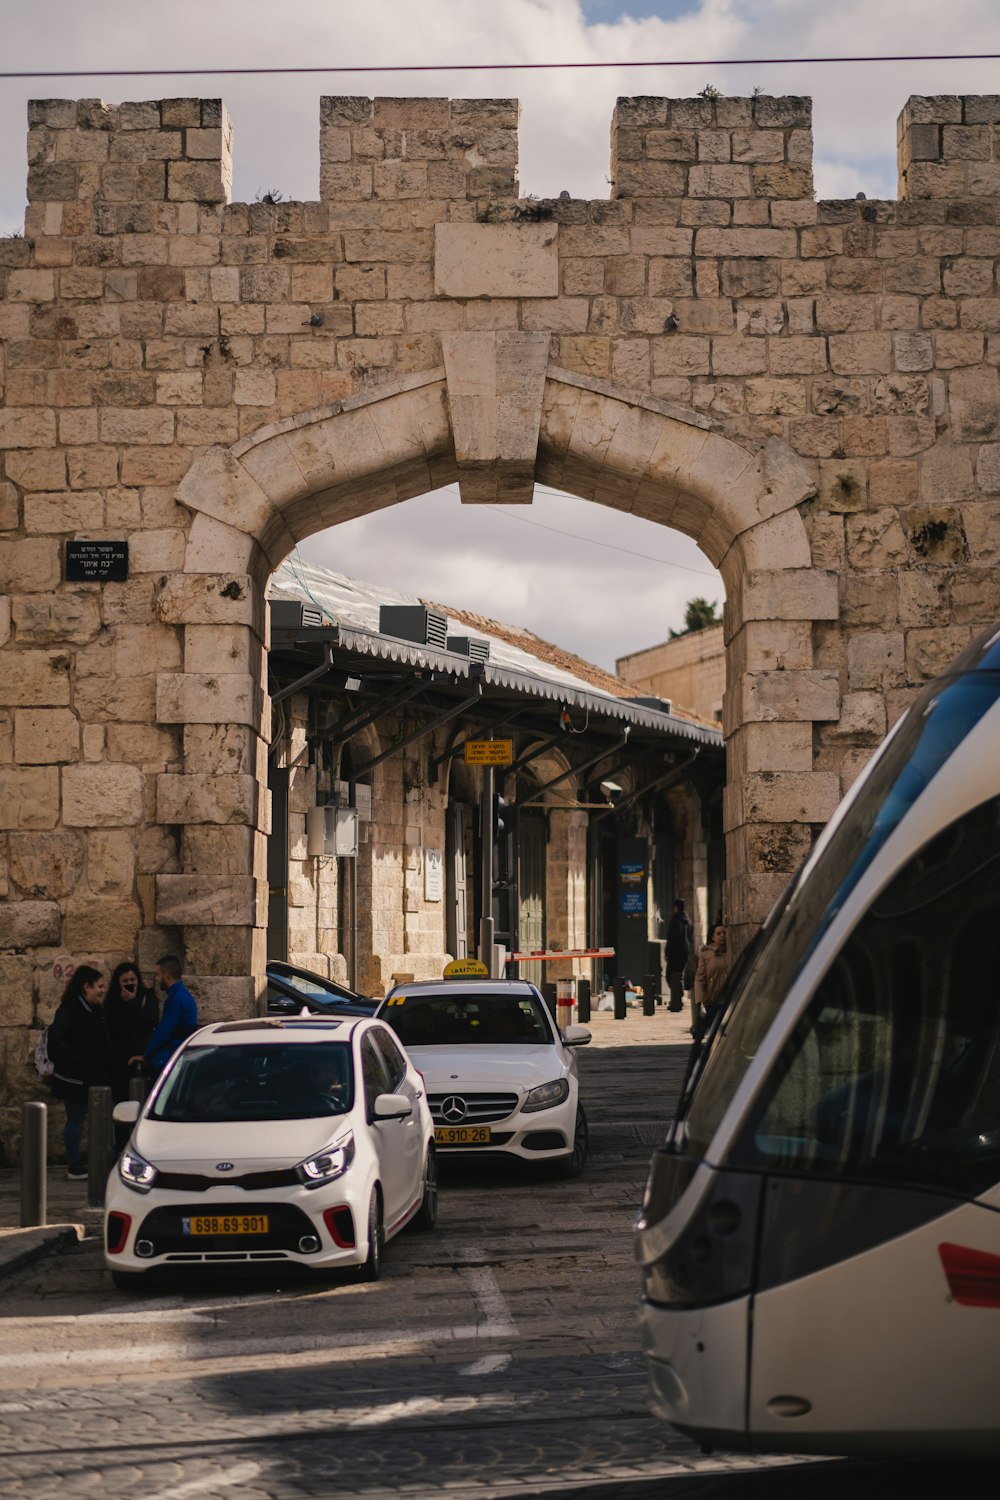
453	1109
223	1166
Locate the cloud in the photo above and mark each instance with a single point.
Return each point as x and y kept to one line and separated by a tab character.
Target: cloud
599	582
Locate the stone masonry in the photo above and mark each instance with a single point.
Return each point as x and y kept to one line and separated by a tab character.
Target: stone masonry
690	669
810	389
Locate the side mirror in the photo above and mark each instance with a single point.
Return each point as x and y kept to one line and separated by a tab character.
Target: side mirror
576	1036
127	1112
392	1107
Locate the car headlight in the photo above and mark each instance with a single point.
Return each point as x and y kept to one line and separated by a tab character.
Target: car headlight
136	1172
546	1096
331	1162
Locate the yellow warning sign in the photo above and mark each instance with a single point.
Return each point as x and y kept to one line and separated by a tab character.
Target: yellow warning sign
466	968
489	752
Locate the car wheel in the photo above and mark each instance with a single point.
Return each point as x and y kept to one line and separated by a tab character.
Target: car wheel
573	1165
371	1269
426	1215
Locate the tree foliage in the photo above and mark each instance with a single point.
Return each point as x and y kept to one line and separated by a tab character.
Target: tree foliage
698	615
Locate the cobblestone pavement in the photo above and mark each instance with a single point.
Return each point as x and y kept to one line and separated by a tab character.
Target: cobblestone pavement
498	1355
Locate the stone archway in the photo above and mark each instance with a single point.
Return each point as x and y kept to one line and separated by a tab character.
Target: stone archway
253	502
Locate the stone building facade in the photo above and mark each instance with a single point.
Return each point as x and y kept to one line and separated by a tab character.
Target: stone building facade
690	669
368	721
810	389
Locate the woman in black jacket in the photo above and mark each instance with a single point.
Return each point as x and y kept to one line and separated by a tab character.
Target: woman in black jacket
78	1048
131	1012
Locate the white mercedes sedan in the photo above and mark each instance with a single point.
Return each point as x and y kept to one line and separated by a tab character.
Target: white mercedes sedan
501	1077
283	1139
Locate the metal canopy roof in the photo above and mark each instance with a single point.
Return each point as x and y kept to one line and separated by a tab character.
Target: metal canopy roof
510	670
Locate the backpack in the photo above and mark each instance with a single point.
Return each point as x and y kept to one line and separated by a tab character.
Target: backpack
44	1067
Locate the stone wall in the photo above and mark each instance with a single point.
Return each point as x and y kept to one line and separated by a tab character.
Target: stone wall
689	671
810	389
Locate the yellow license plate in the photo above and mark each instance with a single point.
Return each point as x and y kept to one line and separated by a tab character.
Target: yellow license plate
462	1135
227	1224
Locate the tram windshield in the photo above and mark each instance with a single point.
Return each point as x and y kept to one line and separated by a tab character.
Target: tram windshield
936	723
893	1074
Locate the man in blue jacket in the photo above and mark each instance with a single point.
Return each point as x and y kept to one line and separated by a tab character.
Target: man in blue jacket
179	1018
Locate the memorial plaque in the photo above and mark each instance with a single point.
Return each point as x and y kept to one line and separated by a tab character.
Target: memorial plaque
96	562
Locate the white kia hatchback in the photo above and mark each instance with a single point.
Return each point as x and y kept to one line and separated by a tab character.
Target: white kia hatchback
501	1077
304	1140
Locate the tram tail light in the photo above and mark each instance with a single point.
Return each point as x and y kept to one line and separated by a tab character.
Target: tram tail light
973	1275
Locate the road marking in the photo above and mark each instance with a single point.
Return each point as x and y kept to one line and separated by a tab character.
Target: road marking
306	1346
487	1365
238	1474
492	1307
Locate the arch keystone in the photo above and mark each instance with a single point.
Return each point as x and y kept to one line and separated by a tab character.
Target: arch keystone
496	382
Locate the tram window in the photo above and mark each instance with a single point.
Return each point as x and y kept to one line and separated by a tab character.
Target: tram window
894	1073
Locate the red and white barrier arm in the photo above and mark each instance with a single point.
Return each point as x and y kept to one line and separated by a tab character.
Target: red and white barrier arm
542	955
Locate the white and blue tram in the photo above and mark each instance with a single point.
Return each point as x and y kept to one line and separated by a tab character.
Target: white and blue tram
820	1236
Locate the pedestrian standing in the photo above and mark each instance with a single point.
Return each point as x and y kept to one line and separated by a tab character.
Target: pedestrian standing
709	981
78	1048
131	1013
179	1018
680	939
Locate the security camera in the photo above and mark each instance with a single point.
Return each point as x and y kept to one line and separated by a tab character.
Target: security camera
611	790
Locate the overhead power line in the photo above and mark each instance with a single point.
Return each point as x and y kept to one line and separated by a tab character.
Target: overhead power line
593	541
498	67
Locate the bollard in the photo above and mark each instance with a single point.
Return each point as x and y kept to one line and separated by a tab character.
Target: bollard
138	1088
34	1182
100	1144
653	986
649	994
583	1000
618	990
564	1002
549	996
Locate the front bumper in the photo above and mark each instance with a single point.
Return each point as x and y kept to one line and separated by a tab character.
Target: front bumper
697	1363
159	1230
541	1135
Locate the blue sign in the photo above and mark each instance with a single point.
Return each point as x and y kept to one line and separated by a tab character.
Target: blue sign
633	903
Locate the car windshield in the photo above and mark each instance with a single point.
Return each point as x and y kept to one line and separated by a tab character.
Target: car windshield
310	984
458	1020
257	1081
934	726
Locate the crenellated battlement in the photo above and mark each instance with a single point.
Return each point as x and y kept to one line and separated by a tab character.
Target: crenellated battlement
417	148
173	150
717	149
948	146
730	156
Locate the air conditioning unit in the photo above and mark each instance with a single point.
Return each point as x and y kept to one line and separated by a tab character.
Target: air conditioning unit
332	832
412	622
470	646
293	614
662	705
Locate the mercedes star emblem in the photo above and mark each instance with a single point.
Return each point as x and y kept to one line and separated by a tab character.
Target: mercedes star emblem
453	1109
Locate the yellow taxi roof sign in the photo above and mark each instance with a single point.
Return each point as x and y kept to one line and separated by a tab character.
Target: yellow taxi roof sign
466	968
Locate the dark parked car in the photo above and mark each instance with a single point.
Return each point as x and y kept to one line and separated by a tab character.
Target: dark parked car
291	990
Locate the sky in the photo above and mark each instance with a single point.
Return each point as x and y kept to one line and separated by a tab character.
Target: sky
591	595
